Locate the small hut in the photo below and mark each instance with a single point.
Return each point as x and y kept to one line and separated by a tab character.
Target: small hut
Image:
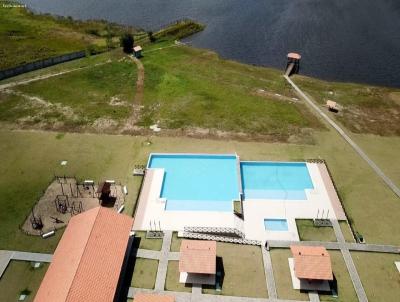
293	63
332	106
137	51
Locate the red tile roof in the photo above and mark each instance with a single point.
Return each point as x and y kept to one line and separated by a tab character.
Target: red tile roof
312	262
153	298
198	257
87	262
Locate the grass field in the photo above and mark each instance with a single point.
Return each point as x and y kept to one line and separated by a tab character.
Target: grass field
26	37
283	279
147	244
187	87
366	109
379	275
21	276
31	158
145	273
172	280
175	243
243	271
308	232
347	233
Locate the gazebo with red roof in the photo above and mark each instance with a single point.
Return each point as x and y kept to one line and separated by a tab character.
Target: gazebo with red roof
198	262
311	267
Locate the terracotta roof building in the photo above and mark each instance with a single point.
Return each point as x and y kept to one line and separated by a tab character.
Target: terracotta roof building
87	263
198	261
153	298
312	262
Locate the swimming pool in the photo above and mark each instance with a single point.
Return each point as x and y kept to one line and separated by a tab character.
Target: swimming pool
276	224
275	180
198	182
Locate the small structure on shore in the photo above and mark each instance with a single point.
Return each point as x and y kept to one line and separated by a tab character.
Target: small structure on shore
137	51
310	268
198	262
332	106
293	63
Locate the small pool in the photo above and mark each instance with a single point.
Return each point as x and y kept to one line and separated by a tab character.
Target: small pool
275	180
198	182
276	224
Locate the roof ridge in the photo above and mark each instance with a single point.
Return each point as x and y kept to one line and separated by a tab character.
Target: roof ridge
84	250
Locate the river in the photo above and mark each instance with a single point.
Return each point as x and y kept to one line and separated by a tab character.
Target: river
343	40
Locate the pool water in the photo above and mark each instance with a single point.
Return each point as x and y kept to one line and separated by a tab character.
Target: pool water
274	180
198	182
276	225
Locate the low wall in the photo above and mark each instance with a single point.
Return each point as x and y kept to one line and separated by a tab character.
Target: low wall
11	72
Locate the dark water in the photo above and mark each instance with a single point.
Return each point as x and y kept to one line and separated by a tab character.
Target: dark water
345	40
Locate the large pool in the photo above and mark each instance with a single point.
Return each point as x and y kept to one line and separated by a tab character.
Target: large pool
275	180
198	182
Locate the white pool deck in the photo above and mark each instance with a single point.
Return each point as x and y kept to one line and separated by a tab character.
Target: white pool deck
151	209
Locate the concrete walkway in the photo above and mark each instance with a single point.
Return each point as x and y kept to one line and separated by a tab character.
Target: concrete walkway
7	256
314	297
269	274
355	278
360	152
163	261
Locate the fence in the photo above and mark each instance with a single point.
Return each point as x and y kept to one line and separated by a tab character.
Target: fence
8	73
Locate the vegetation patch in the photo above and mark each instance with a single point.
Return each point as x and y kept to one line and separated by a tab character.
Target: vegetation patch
172	281
379	275
142	242
21	278
308	232
145	273
366	109
242	270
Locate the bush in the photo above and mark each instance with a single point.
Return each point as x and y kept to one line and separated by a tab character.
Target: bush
127	42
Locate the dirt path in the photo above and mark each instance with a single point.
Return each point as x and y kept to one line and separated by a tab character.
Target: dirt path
138	99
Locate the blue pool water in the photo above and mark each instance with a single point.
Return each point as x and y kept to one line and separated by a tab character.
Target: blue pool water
273	180
276	224
198	182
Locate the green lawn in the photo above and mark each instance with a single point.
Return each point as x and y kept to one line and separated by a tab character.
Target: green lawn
345	289
243	271
21	276
367	109
283	280
148	243
348	235
187	87
99	96
308	232
145	273
172	280
379	275
175	243
31	158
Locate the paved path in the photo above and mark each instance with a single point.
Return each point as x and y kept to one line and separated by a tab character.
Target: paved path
314	297
163	261
188	297
7	256
355	278
269	273
363	155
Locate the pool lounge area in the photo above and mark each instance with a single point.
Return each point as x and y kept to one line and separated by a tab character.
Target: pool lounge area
198	190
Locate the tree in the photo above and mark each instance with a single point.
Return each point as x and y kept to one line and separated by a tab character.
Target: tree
127	42
109	36
151	37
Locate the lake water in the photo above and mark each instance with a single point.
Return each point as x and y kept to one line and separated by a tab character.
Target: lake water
345	40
